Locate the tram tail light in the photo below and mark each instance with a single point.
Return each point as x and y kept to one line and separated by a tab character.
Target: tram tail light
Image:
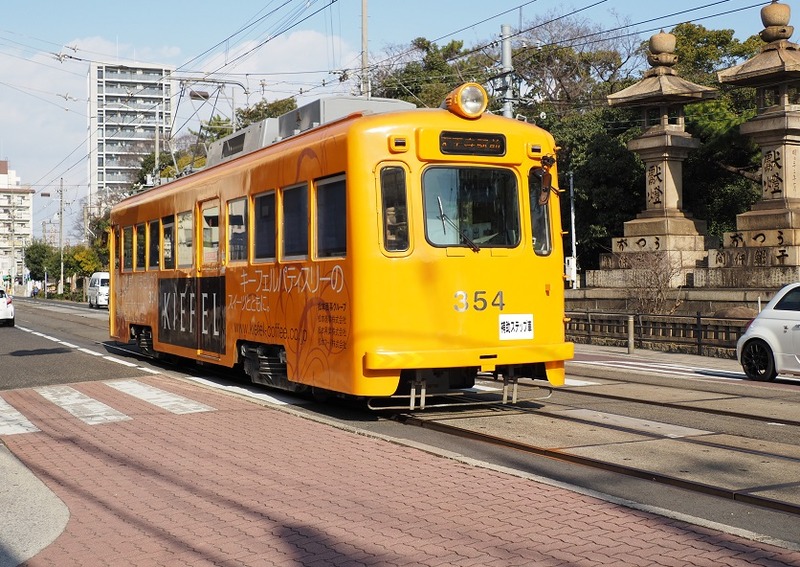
467	101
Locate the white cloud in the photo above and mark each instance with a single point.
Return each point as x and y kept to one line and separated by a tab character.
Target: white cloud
43	102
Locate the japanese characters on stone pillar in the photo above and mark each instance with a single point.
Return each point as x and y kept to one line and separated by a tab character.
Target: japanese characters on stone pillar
663	226
766	244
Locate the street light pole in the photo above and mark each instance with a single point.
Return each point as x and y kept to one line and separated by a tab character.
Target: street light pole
61	233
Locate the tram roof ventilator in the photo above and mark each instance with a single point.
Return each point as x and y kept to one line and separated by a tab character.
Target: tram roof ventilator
315	113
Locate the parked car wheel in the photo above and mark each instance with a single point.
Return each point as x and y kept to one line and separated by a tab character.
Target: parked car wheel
758	361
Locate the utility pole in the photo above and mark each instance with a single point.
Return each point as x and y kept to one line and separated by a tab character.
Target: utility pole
366	88
61	233
13	249
508	69
572	261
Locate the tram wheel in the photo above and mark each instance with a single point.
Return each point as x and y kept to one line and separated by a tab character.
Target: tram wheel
758	361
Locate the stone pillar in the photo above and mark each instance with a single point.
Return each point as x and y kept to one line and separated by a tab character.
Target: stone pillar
672	239
764	250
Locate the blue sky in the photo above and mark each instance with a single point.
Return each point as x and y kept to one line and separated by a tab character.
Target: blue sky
43	122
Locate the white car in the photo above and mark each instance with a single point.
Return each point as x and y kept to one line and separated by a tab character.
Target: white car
6	309
771	343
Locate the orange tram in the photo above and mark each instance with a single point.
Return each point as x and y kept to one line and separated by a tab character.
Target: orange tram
354	246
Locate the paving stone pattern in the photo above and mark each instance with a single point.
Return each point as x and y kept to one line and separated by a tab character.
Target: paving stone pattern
248	484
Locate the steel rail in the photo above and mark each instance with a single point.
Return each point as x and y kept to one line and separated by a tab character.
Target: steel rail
693	486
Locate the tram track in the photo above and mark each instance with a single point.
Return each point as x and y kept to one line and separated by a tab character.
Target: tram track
753	490
445	421
720	412
635	472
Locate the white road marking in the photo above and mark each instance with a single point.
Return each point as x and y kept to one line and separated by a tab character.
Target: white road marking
13	422
120	361
88	410
672	369
635	424
160	398
572	382
87	351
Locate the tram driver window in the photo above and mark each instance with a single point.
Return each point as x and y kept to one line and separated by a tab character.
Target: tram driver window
295	222
140	247
471	206
331	218
264	226
127	248
237	229
185	239
395	209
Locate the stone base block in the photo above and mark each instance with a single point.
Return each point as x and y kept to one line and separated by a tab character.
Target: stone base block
746	277
756	257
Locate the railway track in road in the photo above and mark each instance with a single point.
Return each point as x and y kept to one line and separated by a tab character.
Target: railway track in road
734	467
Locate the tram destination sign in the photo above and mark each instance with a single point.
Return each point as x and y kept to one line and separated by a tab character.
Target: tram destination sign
472	144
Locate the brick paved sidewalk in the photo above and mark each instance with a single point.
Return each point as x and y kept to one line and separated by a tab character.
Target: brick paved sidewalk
252	485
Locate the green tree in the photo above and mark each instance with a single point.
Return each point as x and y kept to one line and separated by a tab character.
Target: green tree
38	256
721	177
426	73
263	109
213	129
81	260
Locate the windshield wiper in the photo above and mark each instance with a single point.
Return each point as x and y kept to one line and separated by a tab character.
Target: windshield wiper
445	218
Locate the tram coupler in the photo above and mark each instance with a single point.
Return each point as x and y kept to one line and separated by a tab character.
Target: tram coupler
509	381
419	381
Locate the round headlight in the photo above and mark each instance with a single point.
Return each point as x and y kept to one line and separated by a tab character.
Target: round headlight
468	101
473	100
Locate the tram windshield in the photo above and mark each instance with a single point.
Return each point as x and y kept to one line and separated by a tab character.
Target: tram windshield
471	206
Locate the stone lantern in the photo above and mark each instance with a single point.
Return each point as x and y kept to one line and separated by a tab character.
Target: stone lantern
764	251
663	227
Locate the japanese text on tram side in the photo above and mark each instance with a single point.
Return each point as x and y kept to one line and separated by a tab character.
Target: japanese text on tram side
292	278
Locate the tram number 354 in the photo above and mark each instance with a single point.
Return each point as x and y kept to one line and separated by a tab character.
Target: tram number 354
478	301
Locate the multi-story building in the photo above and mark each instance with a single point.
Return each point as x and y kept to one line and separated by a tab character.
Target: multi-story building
16	223
130	110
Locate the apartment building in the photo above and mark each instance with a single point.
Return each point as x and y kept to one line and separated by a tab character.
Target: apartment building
130	112
16	223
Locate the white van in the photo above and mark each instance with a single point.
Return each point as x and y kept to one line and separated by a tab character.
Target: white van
98	289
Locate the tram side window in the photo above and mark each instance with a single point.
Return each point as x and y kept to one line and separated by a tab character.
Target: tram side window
331	218
185	239
211	234
539	186
168	224
127	248
117	250
264	221
140	247
295	222
237	229
154	245
395	209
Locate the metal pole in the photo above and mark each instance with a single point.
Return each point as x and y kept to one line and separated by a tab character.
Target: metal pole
366	88
13	249
61	233
630	335
572	265
505	33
